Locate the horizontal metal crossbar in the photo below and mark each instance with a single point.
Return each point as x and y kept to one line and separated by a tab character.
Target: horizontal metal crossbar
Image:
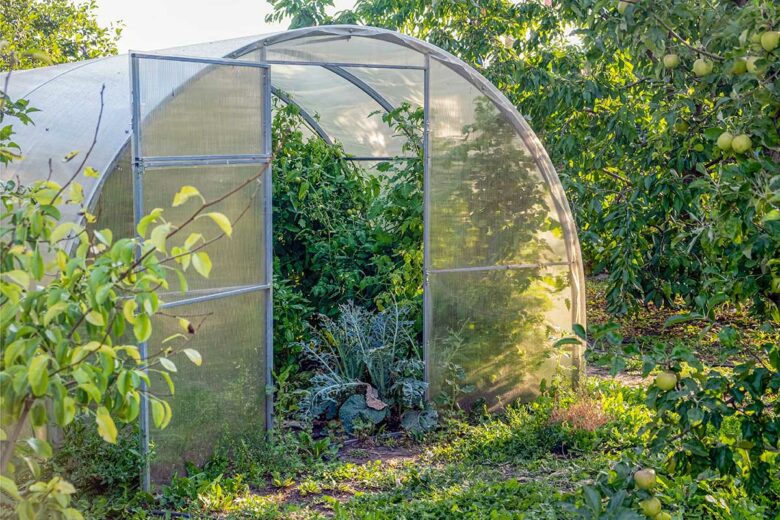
216	296
379	158
505	267
197	160
193	59
339	64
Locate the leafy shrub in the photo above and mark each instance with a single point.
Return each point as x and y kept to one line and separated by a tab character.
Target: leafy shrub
96	466
368	369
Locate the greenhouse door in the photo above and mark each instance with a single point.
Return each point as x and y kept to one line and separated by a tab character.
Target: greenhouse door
206	123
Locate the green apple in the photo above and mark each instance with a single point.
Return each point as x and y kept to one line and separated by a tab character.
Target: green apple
671	61
622	6
724	141
663	516
739	66
750	64
769	40
650	506
702	67
666	380
742	143
645	479
681	126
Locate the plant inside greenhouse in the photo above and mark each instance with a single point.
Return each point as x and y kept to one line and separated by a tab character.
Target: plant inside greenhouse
452	259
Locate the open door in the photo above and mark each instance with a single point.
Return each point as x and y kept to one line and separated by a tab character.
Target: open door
206	123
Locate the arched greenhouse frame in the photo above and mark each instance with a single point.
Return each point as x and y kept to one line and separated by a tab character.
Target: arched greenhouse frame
503	276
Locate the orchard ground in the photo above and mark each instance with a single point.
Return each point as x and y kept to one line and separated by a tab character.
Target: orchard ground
526	463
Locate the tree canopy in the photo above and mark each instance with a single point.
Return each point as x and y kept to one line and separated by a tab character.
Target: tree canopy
630	99
41	32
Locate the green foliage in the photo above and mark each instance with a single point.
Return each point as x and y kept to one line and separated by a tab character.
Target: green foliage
661	208
44	32
367	369
96	466
76	305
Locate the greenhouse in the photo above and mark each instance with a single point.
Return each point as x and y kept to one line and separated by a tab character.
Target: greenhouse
502	276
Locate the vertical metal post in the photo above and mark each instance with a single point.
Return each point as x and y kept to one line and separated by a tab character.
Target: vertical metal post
427	300
269	244
138	210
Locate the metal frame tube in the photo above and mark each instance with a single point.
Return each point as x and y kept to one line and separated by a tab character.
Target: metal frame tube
427	300
362	85
203	160
269	255
214	296
503	267
310	120
195	59
379	158
342	64
138	210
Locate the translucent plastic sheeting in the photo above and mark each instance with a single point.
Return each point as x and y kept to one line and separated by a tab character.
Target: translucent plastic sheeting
397	86
221	400
238	260
349	116
490	204
114	206
195	108
498	328
344	49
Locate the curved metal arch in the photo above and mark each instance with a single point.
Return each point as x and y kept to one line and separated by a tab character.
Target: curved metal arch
310	120
362	85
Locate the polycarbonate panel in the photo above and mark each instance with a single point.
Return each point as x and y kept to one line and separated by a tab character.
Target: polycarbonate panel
347	114
395	85
344	49
195	108
222	399
113	208
499	328
489	202
236	261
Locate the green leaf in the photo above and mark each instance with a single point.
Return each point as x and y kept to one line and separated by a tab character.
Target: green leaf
185	194
64	410
680	318
142	328
105	236
158	412
96	319
36	264
152	217
18	277
38	375
222	221
89	171
159	236
8	487
202	263
193	355
128	310
193	239
41	448
106	427
167	364
54	311
579	330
